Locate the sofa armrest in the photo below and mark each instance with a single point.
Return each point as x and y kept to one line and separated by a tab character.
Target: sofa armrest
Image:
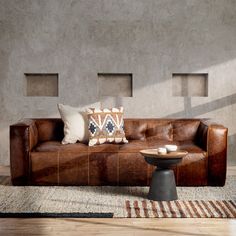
23	138
212	137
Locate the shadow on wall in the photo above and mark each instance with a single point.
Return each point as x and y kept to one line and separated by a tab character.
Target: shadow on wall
195	111
232	149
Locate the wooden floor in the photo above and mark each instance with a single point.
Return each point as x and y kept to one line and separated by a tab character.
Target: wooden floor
131	227
157	227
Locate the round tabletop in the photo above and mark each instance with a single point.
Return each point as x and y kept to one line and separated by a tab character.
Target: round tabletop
170	155
163	187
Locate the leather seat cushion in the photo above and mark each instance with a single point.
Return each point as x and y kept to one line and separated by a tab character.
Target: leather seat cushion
160	143
53	146
105	147
133	146
191	147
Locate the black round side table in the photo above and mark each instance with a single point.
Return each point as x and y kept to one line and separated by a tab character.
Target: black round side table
163	186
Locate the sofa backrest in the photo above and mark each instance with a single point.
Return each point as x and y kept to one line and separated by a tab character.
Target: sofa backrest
135	129
184	130
142	129
161	129
50	129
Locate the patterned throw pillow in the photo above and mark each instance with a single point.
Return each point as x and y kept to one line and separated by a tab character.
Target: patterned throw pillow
106	126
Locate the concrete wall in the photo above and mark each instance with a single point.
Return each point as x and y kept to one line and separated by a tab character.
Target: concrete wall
149	38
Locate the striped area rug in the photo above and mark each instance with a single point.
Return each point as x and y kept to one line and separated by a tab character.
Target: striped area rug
180	209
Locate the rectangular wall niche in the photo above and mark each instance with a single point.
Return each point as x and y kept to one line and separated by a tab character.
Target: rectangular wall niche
42	85
115	85
190	85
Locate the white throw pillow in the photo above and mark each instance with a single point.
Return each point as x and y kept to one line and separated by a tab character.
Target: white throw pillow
75	124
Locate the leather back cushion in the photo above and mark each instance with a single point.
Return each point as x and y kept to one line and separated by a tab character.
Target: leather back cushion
135	129
159	130
185	129
150	129
50	129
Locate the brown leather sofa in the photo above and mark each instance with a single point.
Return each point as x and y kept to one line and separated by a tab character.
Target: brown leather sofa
38	157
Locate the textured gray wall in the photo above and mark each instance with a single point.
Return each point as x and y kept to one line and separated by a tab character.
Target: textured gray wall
149	38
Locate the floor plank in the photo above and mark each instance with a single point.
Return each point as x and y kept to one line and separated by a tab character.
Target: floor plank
166	227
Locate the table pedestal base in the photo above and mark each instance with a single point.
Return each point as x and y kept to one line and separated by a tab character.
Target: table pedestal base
163	187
